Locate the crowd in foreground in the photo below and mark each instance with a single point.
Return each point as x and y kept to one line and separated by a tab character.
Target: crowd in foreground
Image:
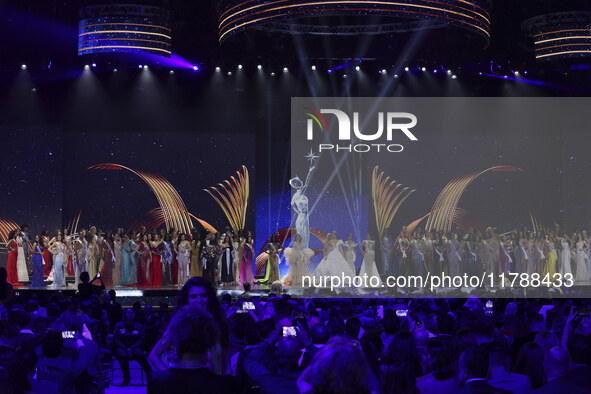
278	344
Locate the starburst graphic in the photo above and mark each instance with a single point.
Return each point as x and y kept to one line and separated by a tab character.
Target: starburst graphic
311	156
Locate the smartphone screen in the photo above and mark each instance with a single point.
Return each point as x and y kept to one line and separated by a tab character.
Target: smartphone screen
402	312
289	331
248	306
68	334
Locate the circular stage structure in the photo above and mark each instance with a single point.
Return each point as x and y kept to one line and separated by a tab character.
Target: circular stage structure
126	28
308	16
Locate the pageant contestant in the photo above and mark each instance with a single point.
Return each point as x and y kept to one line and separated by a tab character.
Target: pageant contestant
24	232
350	249
565	255
144	262
582	275
37	262
156	251
226	261
248	255
272	270
386	252
128	276
70	255
551	257
91	240
118	251
166	259
11	266
57	248
46	254
182	251
418	256
21	262
402	255
210	251
368	266
237	245
196	268
333	263
297	257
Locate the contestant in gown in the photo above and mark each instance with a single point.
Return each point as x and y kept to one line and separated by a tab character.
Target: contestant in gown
297	257
196	268
368	266
117	250
565	255
37	263
418	257
58	249
144	262
350	249
166	260
183	250
582	275
81	247
386	250
21	262
70	255
156	250
272	271
248	254
333	263
46	254
11	266
550	267
108	260
226	266
129	262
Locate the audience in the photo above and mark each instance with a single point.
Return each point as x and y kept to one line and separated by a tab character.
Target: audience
127	345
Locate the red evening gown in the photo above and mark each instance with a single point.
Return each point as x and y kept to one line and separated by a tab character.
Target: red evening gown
46	259
156	266
11	266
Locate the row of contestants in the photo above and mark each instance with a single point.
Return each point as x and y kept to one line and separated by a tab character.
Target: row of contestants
143	259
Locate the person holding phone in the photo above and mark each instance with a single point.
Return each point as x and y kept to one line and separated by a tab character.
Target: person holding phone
86	288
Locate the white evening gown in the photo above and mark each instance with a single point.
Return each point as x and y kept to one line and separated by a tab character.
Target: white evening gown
368	266
334	264
297	257
565	255
582	275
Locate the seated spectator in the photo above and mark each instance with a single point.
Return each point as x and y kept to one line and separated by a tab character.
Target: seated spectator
556	367
498	375
86	289
530	362
194	332
472	371
442	379
128	337
319	337
391	326
246	294
338	368
579	349
57	368
6	289
401	364
279	377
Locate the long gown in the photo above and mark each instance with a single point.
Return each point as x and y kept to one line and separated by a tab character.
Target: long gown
46	258
226	265
108	259
385	255
128	266
565	269
297	257
350	253
417	257
21	261
196	268
59	279
117	250
272	270
582	275
550	267
166	260
69	257
144	265
246	274
81	259
92	259
11	265
183	262
368	266
156	264
334	264
37	267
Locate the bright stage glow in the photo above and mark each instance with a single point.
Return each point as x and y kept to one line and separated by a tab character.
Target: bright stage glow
259	67
195	68
406	68
240	67
423	69
129	293
272	74
87	67
229	72
140	66
357	68
145	67
454	77
23	67
448	72
395	75
217	69
285	69
171	72
93	64
384	71
114	70
313	67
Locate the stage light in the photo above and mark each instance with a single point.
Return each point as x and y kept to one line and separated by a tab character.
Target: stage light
240	67
406	68
272	74
357	68
93	64
480	73
145	67
87	67
171	72
344	75
453	77
448	72
217	69
24	67
114	70
140	66
285	69
516	73
330	71
423	69
260	67
313	67
195	68
435	71
525	72
34	90
505	76
395	75
229	72
384	71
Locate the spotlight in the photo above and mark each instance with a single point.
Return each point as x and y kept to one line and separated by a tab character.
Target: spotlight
34	90
357	68
145	67
24	67
448	72
229	72
435	71
171	72
395	75
217	69
384	71
423	69
240	67
525	72
453	77
260	67
285	69
516	73
480	73
114	70
344	75
505	76
330	71
313	67
195	68
93	64
140	66
272	74
87	67
406	69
